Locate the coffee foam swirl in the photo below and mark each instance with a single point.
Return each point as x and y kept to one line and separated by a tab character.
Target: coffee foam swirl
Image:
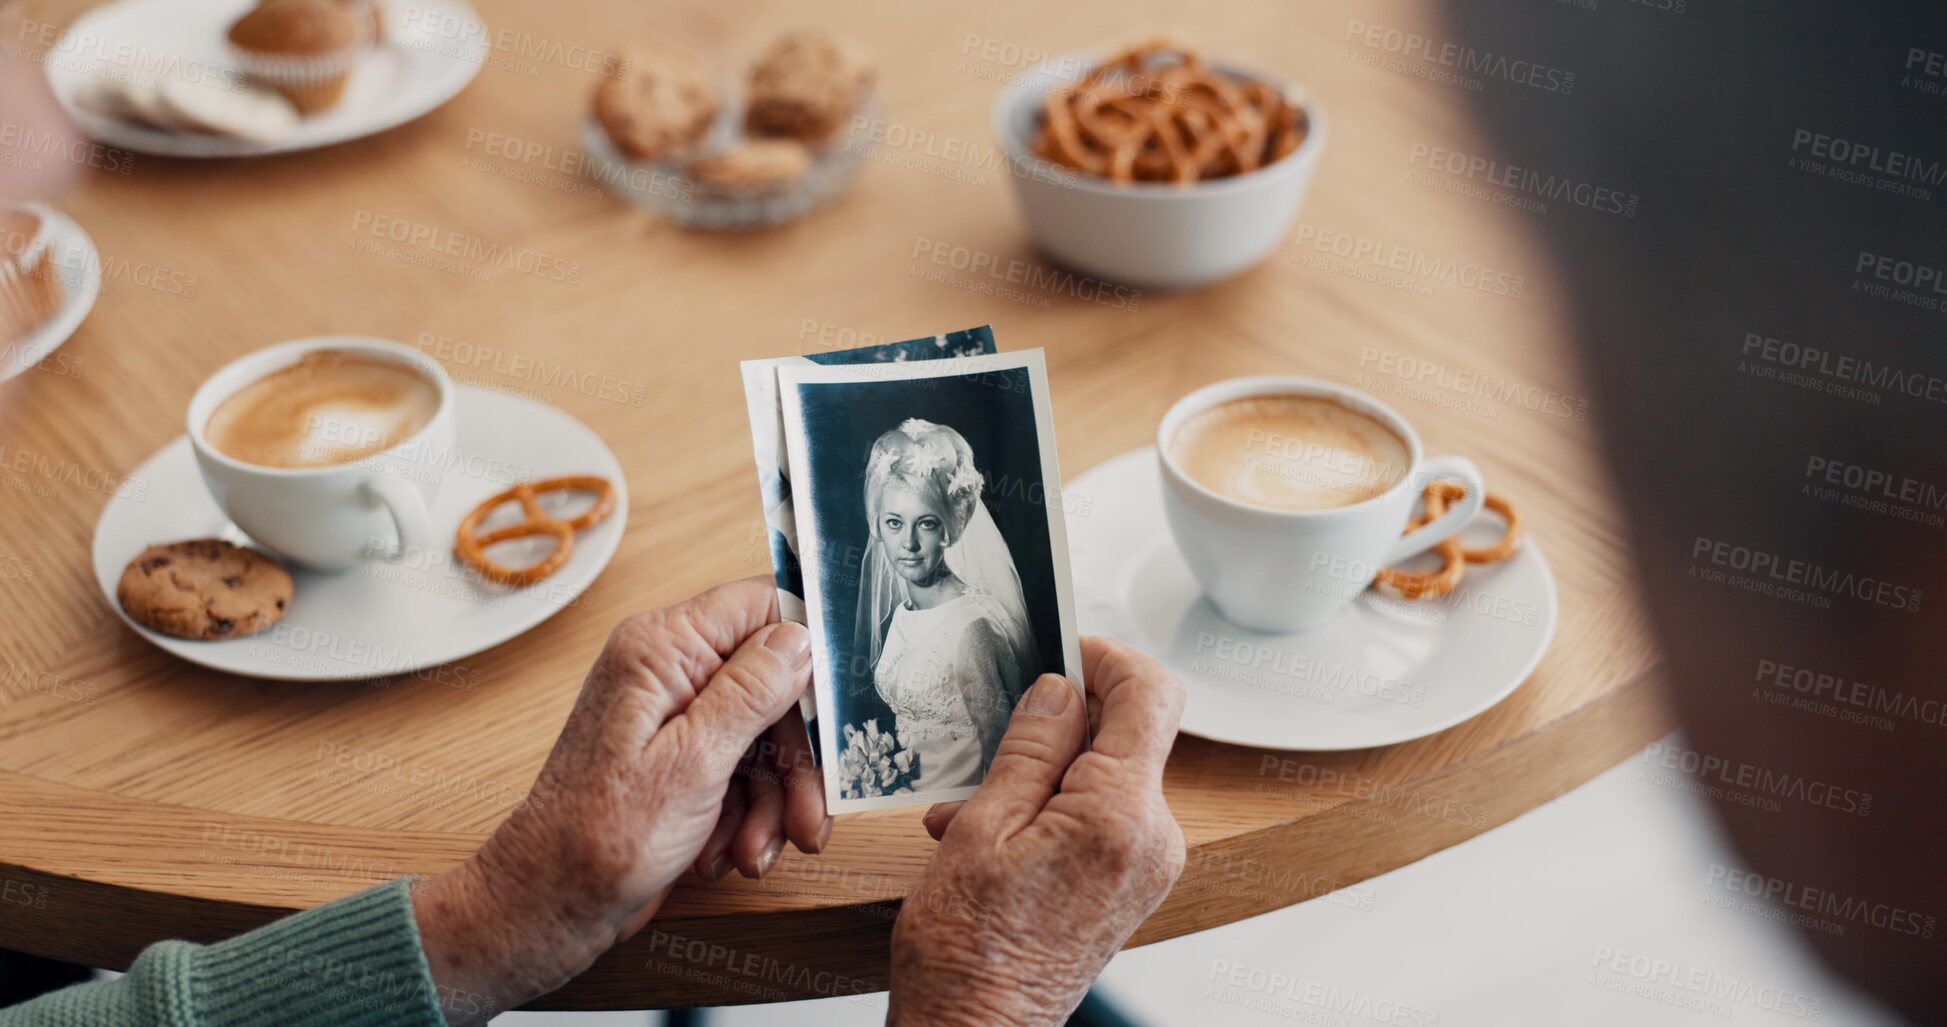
1289	452
331	407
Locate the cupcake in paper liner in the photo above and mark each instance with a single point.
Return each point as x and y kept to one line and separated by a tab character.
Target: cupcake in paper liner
370	17
29	289
304	49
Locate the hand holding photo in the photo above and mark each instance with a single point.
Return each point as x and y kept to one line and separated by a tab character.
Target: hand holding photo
936	566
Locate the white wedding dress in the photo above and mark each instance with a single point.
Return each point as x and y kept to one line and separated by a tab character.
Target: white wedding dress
951	676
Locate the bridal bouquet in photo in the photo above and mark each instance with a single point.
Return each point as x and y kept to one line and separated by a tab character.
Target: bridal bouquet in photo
873	763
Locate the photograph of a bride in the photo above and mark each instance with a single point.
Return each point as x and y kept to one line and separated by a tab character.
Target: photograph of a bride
933	584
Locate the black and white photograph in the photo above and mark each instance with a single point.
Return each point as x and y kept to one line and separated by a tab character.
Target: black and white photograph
774	474
937	578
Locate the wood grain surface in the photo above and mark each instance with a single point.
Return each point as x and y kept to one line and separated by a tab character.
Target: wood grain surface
143	798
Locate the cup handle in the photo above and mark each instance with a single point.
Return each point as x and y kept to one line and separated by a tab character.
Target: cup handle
409	516
1443	527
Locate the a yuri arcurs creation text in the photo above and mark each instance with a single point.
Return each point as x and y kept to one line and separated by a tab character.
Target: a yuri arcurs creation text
935	565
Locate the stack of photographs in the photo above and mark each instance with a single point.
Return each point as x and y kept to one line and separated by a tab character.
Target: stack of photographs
911	498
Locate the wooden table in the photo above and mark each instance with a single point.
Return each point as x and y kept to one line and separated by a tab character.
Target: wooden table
143	798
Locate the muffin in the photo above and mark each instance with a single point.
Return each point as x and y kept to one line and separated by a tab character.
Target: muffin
370	17
751	168
658	103
304	49
805	87
29	288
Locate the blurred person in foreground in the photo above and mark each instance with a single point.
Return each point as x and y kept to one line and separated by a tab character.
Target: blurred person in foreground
1765	334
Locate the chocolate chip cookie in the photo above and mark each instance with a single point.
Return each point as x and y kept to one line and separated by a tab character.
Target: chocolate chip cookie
204	589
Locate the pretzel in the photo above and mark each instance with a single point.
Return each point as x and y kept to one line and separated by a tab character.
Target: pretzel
1439	493
1453	556
1426	584
472	548
1157	113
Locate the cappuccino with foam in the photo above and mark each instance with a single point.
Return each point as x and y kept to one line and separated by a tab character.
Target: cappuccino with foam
1287	452
331	407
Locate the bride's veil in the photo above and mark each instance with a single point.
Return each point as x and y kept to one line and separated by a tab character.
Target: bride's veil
980	558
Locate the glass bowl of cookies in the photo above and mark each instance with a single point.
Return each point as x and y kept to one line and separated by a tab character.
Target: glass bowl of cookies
1156	168
665	135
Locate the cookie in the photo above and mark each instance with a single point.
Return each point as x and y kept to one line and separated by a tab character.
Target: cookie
204	589
805	87
242	111
758	166
658	104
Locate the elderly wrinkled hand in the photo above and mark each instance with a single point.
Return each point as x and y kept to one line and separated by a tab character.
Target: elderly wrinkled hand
1048	869
685	749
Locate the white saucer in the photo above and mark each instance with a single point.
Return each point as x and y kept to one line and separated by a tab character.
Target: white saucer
1382	671
78	265
432	49
383	619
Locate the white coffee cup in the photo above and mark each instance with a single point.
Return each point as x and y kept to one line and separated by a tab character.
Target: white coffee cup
1288	570
335	516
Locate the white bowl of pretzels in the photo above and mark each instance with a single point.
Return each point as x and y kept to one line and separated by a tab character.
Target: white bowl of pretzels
1156	169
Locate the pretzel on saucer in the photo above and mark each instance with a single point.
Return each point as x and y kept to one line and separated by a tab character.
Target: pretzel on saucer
1453	556
472	548
1426	584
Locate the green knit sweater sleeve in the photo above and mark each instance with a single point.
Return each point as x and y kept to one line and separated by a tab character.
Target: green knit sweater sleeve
350	963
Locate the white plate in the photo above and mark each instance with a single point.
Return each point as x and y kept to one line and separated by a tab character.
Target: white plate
1382	671
432	49
78	265
383	618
